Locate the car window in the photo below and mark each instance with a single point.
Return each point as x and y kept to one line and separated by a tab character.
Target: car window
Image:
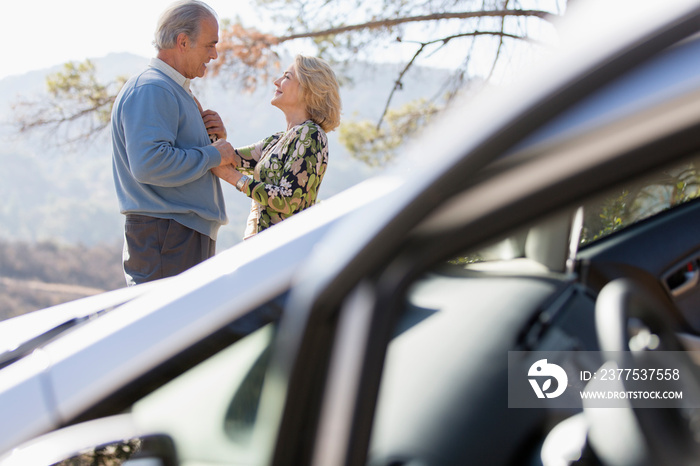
615	210
448	307
204	406
639	200
211	410
207	415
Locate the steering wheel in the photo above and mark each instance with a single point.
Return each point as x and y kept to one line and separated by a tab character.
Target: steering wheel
666	434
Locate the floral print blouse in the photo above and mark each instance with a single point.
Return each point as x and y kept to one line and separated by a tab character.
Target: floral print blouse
287	169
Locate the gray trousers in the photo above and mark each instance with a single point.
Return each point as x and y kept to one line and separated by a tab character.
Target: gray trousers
157	248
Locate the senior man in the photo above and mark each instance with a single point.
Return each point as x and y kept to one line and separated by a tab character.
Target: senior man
163	154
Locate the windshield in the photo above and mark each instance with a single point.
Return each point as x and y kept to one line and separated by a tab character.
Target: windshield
16	350
641	199
21	335
549	244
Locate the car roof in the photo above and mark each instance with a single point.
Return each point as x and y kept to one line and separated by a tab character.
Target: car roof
674	72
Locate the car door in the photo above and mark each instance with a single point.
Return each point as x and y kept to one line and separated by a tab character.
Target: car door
332	357
336	332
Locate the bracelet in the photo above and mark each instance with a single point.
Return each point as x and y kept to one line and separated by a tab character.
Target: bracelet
242	182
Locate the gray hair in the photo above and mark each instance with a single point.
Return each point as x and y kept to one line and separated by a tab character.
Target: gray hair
184	16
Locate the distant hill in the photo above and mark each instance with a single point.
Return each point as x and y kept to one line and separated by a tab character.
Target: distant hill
54	194
38	275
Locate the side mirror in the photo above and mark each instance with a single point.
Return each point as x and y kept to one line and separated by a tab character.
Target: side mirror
152	450
112	440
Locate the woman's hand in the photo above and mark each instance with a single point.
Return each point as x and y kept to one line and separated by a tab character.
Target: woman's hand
214	124
227	173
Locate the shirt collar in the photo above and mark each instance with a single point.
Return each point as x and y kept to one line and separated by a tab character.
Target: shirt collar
171	72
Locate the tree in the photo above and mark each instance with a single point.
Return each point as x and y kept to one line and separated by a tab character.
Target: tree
79	105
478	37
466	31
636	201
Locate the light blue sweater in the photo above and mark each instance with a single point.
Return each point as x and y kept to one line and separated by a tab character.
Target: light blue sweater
162	155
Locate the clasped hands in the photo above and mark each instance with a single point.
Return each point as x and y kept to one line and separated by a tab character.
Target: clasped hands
230	160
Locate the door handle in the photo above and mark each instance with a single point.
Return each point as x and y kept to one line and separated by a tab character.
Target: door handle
684	279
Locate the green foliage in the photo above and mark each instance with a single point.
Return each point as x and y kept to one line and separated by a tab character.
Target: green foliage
377	146
76	96
466	260
638	201
78	84
109	455
613	213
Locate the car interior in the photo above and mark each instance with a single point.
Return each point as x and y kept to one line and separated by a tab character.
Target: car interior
442	398
445	381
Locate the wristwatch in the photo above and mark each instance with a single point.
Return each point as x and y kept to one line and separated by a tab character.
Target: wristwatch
241	182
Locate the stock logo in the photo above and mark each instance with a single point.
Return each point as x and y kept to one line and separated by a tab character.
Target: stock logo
541	370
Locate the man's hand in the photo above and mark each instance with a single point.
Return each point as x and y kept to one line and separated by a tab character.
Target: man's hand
228	153
214	124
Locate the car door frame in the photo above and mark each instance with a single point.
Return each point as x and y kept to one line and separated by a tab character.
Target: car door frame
342	315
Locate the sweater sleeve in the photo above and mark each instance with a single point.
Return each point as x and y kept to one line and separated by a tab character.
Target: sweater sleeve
298	179
250	155
151	121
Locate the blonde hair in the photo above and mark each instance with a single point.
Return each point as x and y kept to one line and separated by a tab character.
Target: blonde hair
320	91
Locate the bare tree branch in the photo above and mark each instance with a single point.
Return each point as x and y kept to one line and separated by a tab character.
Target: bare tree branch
398	84
386	23
500	45
57	116
423	45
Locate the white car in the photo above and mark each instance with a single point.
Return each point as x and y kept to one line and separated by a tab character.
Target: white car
405	321
62	359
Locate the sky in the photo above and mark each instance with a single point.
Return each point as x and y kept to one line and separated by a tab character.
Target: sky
43	33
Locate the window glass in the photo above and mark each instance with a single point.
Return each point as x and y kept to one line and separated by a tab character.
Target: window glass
639	200
610	212
211	410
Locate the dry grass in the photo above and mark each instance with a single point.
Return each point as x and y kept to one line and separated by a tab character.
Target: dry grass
37	276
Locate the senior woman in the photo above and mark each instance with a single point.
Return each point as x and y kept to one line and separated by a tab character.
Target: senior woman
282	173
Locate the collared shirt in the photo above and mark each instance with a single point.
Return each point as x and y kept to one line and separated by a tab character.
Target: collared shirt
175	75
172	73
